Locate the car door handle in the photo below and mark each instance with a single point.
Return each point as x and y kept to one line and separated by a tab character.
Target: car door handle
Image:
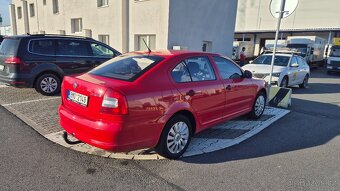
190	93
228	87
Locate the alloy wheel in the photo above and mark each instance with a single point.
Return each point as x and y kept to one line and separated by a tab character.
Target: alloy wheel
178	137
259	105
48	85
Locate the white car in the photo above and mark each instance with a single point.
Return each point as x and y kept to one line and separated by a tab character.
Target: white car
289	69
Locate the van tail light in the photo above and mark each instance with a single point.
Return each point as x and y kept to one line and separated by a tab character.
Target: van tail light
13	60
114	103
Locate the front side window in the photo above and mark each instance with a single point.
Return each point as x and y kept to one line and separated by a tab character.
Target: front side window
294	61
45	47
72	48
227	69
76	25
101	51
193	69
102	3
126	67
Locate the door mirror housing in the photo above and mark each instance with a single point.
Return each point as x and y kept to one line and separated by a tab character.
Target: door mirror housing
251	61
247	74
295	65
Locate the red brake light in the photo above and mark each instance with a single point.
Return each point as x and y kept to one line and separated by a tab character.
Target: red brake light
114	103
13	60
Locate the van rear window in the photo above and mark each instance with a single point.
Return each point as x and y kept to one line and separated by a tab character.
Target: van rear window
126	67
9	46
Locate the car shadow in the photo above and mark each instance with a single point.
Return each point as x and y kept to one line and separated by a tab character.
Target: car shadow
301	129
317	88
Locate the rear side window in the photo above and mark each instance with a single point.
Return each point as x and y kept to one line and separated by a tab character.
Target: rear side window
43	46
9	46
126	67
72	48
193	69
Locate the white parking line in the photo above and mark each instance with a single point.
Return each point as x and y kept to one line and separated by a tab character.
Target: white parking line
3	86
30	101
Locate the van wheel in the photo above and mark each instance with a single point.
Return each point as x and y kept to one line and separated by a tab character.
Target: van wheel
175	137
258	106
48	84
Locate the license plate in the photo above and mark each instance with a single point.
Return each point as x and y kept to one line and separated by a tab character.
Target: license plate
77	98
2	67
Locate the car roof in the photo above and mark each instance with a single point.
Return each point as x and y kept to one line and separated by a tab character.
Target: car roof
171	53
47	36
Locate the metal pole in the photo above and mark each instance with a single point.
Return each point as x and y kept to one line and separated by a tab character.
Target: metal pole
275	44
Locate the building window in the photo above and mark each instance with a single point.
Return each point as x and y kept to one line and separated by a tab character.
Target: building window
76	25
44	2
102	3
19	10
150	40
104	39
32	13
55	6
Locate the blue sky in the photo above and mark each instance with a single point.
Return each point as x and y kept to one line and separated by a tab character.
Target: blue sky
4	11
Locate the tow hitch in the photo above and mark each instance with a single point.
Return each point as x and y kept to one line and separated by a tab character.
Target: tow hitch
68	141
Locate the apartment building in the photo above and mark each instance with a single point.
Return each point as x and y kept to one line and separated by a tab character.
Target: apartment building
123	24
255	23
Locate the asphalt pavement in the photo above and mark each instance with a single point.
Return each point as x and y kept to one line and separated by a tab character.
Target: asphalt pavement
298	152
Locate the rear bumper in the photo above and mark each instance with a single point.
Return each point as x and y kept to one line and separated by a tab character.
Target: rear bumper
106	135
17	80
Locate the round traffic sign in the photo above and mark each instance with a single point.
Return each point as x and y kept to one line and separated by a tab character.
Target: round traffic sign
289	7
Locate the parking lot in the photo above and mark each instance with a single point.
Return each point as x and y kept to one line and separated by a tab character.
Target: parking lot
297	152
41	113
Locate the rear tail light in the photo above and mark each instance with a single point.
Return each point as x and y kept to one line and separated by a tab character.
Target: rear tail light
13	60
114	103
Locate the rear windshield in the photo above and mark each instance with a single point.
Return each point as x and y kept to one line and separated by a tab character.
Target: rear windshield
9	46
126	67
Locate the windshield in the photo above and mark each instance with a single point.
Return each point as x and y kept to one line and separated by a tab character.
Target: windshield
266	59
335	51
301	48
126	67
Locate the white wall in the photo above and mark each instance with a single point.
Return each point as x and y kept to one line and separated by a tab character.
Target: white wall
149	17
191	22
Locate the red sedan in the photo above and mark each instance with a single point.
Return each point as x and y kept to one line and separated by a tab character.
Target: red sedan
157	100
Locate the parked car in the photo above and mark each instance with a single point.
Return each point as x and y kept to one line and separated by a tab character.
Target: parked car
289	69
157	100
41	61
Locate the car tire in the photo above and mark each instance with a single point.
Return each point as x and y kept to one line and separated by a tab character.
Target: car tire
305	82
175	137
48	84
258	106
284	82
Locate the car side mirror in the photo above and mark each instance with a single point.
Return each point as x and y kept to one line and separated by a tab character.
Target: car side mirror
295	65
247	74
251	61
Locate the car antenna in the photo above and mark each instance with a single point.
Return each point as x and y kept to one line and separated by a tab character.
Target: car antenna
147	46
